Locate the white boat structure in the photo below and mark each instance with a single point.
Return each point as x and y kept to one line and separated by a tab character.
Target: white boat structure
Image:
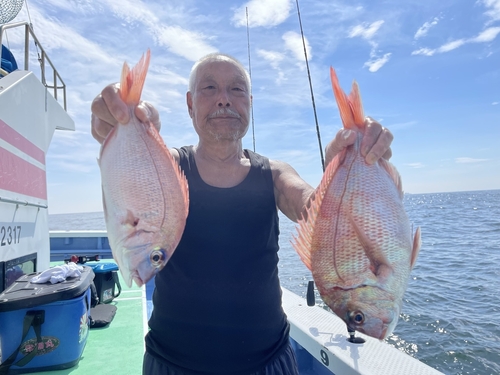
31	109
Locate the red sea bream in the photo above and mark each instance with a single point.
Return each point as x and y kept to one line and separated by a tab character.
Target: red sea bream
357	239
145	195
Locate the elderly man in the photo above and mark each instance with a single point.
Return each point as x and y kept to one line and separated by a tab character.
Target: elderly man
217	303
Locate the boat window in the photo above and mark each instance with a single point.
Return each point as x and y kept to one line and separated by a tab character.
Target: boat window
13	269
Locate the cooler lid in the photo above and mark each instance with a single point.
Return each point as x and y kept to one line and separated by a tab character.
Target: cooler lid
23	294
103	267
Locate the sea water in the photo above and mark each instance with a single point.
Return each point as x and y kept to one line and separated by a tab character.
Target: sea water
451	311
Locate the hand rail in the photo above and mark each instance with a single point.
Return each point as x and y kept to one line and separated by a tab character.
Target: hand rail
27	32
22	203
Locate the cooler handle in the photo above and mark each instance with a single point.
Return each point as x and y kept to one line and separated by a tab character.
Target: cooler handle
117	282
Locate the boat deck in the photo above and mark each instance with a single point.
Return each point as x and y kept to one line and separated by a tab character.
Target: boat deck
119	347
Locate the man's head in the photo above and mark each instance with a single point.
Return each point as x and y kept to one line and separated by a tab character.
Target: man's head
219	98
217	57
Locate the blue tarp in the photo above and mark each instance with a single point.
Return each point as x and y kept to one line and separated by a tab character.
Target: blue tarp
8	61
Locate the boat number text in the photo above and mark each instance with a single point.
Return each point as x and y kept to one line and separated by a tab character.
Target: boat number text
10	235
324	358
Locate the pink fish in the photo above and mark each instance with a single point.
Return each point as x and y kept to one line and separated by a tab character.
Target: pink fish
357	239
145	194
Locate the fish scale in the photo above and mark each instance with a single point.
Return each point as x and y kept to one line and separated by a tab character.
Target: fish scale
356	238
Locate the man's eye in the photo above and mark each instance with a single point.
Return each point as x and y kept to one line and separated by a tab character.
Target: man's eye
209	87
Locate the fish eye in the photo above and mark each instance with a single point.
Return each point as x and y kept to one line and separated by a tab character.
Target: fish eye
357	317
157	257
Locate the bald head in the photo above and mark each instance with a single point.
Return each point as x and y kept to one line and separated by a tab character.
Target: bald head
215	57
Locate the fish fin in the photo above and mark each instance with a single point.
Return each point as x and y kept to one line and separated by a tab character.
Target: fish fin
356	106
130	220
132	80
394	174
350	107
417	242
303	242
379	264
177	168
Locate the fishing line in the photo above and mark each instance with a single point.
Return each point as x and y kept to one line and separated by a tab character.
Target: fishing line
310	86
250	73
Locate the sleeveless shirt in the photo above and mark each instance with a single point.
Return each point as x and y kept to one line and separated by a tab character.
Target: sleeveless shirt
217	302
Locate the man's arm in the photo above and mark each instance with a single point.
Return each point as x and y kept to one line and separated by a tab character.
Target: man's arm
291	191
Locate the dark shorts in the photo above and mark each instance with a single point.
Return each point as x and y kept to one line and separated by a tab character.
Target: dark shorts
285	364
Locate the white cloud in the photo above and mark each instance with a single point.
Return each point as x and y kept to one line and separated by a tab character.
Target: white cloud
415	165
451	45
180	41
273	57
365	31
495	103
464	160
487	35
424	51
184	43
377	63
424	29
494	9
266	13
293	43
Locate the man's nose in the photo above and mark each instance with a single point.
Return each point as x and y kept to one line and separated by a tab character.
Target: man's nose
223	100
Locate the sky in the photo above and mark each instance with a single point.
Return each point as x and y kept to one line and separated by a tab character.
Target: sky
427	70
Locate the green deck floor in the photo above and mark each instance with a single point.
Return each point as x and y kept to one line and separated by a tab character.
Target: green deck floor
119	347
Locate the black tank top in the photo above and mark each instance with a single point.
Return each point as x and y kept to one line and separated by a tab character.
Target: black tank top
217	302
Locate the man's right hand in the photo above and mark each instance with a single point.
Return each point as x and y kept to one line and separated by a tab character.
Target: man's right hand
108	109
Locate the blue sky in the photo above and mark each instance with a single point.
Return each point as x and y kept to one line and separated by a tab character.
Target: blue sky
427	70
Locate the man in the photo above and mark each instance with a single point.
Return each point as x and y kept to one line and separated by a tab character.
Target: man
217	303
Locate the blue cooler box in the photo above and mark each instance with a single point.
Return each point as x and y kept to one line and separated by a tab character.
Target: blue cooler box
44	326
106	281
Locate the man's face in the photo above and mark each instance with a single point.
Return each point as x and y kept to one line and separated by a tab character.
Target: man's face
220	102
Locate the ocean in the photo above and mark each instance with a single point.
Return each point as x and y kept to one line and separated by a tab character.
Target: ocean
451	312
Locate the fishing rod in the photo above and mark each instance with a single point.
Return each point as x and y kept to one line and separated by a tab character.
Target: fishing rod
250	73
310	86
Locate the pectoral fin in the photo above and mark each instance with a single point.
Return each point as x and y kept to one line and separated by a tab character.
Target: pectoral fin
379	264
130	220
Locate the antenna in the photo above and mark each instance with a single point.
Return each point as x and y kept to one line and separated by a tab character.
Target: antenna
250	72
310	86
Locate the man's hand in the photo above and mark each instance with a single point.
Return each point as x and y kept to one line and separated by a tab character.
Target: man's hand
375	144
108	109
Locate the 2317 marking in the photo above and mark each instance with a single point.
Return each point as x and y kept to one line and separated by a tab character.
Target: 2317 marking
10	235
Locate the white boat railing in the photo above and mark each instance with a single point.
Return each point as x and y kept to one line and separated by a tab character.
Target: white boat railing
58	83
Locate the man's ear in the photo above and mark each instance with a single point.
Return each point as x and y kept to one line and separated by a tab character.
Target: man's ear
189	102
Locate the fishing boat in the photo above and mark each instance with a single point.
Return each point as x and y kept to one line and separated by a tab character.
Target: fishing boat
31	109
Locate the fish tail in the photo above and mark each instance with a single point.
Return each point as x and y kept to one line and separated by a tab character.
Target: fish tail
132	80
350	107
